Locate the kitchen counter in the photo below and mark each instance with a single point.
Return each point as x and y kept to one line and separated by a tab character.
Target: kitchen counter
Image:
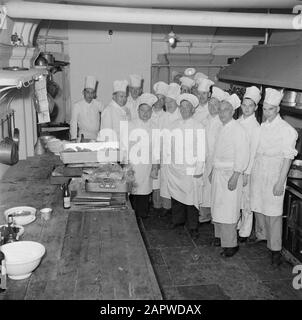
89	255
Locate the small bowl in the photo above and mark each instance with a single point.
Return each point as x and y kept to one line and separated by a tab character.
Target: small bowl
21	215
22	258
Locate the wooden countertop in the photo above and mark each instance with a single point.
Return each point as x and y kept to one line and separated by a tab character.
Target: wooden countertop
96	255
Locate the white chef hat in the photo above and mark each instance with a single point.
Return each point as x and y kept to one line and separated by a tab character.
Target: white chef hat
273	96
219	94
90	82
120	85
198	76
147	98
135	80
189	72
204	85
253	93
189	97
160	87
188	82
173	91
234	101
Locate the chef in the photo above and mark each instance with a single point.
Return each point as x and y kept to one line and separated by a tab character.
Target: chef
160	89
184	173
115	113
85	114
212	127
251	126
203	95
231	156
172	114
135	90
275	151
198	76
140	154
186	84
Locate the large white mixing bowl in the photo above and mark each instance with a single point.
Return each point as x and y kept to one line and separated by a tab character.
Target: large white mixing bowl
22	258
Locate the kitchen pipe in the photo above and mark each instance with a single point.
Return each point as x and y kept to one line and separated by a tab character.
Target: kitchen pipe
196	4
34	10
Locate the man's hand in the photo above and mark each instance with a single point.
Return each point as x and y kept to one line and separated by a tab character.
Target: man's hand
278	189
232	184
245	179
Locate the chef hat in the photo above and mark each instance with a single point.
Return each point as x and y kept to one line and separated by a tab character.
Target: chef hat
120	85
160	87
147	98
234	101
135	80
173	91
189	72
189	97
219	94
204	85
198	76
273	96
253	93
188	82
90	82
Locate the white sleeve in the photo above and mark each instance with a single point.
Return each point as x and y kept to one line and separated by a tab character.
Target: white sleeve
242	151
254	141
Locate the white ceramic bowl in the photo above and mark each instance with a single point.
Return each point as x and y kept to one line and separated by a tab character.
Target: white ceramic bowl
29	215
20	232
22	258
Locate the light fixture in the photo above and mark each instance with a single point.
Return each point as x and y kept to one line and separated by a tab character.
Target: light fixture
172	39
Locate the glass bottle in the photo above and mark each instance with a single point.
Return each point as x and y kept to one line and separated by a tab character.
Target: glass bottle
10	229
66	196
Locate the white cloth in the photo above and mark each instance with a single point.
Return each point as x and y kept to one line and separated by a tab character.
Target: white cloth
234	101
135	80
147	98
201	113
277	141
212	128
186	81
112	115
165	122
219	94
160	87
132	106
204	85
252	129
120	86
141	170
231	153
173	91
182	185
188	97
86	117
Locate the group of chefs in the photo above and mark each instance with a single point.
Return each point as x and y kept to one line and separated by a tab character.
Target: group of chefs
240	175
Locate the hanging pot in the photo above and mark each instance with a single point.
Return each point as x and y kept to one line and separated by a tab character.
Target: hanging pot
289	98
49	57
16	133
8	149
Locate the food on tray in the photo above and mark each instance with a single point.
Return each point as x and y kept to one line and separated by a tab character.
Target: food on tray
21	213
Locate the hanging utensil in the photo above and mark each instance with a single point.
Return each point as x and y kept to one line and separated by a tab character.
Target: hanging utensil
8	149
16	134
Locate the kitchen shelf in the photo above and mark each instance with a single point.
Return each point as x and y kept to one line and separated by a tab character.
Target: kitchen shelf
291	111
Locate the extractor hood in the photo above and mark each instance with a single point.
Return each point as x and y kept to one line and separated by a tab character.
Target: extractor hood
275	64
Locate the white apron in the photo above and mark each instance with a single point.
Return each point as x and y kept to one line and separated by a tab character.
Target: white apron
225	206
264	175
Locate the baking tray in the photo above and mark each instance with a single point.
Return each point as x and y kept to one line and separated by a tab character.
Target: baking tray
107	185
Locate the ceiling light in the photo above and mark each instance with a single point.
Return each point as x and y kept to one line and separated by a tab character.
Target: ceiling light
172	39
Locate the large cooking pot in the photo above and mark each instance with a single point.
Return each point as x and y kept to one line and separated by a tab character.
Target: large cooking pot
49	57
8	148
289	98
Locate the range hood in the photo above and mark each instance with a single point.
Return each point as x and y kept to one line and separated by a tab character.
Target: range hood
278	65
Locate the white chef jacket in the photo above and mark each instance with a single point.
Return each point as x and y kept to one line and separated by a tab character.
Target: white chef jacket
201	113
277	141
86	116
164	123
142	170
111	117
182	184
212	128
156	119
231	153
132	105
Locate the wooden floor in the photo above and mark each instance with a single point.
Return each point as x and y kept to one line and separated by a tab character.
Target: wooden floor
88	255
